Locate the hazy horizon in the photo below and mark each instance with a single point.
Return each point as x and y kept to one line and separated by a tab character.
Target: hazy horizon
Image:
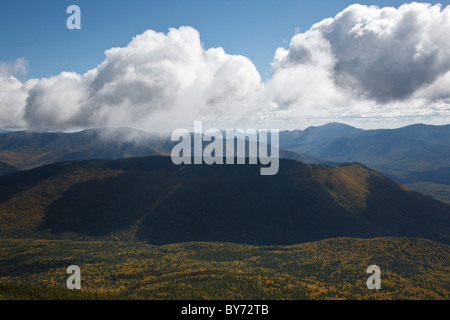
163	133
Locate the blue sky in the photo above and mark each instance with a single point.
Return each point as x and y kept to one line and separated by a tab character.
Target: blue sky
36	30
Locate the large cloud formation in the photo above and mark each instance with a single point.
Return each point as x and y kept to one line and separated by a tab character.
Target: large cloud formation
365	65
368	63
156	82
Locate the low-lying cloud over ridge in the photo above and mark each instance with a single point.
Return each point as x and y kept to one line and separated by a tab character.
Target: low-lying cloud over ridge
365	65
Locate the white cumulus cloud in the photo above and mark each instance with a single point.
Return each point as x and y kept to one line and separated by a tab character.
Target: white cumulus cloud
157	82
367	63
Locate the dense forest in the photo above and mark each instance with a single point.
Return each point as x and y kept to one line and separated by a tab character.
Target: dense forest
328	269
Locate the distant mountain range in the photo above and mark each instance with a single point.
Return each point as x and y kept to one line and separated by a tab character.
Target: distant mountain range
153	200
398	152
417	156
27	150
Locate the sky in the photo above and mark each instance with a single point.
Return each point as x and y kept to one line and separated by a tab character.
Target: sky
285	63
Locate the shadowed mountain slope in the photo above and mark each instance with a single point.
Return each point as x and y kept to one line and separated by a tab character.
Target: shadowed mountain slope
153	200
6	168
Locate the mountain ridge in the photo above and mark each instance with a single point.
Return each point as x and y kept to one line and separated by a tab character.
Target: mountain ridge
153	200
26	150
